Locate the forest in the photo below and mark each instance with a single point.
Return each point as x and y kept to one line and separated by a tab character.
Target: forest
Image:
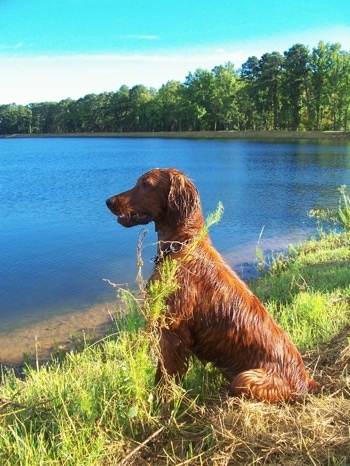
302	89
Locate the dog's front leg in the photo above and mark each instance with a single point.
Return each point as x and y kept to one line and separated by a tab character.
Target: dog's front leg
174	350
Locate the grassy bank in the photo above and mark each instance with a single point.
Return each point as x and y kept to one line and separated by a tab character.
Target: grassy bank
97	406
257	135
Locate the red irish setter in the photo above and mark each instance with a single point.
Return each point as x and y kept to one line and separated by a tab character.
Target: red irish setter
213	314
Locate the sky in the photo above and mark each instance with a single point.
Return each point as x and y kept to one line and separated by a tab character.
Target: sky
52	50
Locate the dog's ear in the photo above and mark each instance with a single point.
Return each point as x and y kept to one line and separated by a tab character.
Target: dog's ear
183	198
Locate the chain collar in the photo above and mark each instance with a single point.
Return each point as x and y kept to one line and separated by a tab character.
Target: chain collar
174	247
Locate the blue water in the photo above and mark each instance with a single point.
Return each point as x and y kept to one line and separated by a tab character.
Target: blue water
58	241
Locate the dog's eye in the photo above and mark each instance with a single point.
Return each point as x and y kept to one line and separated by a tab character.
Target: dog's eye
145	184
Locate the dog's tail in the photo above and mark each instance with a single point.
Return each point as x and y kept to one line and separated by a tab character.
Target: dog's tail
268	386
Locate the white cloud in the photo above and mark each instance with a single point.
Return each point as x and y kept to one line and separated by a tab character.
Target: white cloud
11	47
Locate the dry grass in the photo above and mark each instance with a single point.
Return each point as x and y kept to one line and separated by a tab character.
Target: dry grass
231	431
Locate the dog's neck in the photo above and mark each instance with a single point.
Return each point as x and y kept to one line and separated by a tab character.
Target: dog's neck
173	238
184	230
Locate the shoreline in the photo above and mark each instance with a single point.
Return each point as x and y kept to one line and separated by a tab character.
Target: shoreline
40	342
256	135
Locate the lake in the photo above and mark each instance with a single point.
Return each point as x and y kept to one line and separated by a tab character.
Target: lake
59	241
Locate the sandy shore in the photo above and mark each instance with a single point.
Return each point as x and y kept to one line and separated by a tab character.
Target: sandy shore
39	341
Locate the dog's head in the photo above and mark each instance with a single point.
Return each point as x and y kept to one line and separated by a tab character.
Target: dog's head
165	196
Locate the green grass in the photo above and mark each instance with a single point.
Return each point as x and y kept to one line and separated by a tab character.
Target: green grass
308	291
98	406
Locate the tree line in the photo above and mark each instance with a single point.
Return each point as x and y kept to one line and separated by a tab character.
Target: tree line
302	89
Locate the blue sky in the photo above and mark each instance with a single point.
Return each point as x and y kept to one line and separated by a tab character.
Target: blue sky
54	49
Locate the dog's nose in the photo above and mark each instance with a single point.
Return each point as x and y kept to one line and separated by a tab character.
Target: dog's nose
109	202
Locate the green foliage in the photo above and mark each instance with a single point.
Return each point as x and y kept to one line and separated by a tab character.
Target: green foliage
215	216
344	209
298	90
160	289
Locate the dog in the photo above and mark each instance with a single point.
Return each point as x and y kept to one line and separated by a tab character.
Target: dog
212	315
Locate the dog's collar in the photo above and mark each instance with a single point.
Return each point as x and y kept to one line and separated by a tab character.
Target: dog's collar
174	247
